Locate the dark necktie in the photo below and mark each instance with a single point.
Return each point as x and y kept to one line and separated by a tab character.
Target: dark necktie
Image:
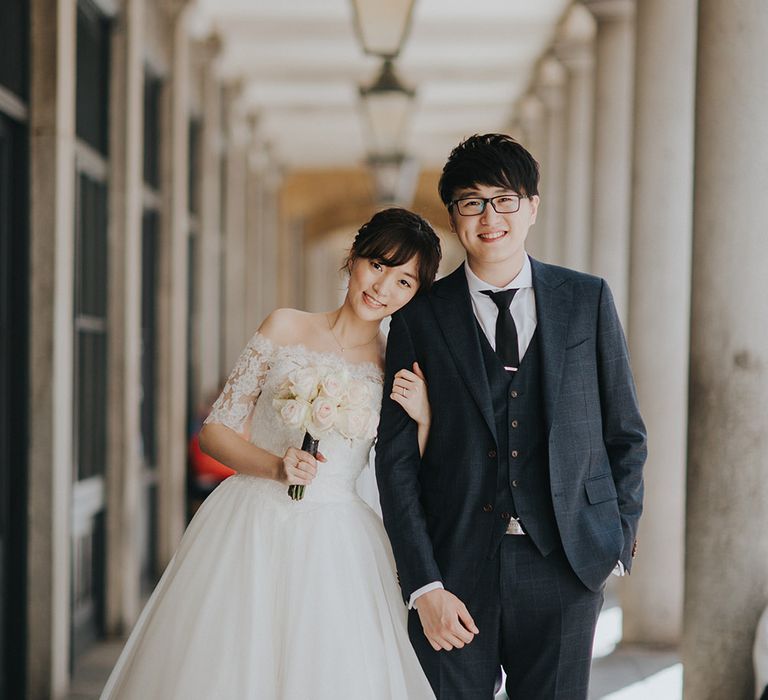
506	332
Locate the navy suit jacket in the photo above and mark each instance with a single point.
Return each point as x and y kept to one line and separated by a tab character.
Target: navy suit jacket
433	505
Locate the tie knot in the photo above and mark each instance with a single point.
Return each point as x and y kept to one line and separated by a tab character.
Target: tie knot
503	298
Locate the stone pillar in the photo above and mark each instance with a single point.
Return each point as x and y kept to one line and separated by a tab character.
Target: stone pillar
172	293
574	48
209	270
270	221
51	230
550	87
532	120
235	263
254	230
123	568
614	54
659	307
726	567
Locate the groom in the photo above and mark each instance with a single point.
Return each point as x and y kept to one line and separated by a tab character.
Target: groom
530	488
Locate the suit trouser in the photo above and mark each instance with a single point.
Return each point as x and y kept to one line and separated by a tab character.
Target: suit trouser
536	619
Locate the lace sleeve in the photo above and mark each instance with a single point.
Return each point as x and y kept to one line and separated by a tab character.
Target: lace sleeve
235	405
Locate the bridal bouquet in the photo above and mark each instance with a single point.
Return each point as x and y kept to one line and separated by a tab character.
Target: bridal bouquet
320	400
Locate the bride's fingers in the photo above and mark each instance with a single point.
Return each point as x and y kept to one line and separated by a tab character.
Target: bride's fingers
398	398
407	376
306	457
307	468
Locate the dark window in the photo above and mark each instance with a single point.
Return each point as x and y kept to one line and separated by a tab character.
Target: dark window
91	328
153	88
195	131
14	46
14	307
92	89
150	252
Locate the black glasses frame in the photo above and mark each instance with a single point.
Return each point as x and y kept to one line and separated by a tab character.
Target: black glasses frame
486	201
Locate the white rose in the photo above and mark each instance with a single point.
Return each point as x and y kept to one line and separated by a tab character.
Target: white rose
358	394
304	383
352	423
334	384
295	413
323	415
358	423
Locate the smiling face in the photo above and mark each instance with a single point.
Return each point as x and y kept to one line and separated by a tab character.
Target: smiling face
495	243
377	291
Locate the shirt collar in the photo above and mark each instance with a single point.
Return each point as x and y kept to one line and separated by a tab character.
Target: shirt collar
524	279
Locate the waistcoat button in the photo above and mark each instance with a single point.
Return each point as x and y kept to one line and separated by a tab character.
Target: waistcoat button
487	508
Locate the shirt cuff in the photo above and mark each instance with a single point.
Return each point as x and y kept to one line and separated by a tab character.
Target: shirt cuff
618	570
435	585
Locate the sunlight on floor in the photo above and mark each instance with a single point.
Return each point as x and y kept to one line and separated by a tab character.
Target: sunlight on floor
608	632
664	685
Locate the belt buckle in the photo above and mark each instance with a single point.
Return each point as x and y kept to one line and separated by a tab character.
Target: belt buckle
514	527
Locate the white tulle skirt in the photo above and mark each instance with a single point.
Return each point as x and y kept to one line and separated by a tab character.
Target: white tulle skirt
267	601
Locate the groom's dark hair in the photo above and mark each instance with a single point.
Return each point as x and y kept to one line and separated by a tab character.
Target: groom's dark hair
496	160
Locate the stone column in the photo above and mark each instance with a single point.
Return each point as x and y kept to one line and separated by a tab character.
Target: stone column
614	54
172	293
659	307
574	47
550	87
209	270
254	230
532	120
235	263
124	456
51	231
270	221
726	567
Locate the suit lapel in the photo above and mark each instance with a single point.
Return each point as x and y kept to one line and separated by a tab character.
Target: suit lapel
453	310
554	299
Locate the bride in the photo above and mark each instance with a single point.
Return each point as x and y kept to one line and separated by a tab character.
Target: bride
281	598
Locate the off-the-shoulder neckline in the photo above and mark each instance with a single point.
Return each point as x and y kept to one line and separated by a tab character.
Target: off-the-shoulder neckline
361	366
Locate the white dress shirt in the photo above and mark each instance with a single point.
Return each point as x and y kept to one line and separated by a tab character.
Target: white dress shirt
523	310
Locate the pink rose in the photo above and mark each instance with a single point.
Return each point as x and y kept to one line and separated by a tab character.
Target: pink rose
352	423
304	383
294	412
334	385
358	394
323	415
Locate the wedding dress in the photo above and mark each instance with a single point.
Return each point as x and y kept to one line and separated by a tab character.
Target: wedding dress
270	598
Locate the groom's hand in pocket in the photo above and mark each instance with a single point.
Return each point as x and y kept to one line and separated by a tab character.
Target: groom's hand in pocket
445	620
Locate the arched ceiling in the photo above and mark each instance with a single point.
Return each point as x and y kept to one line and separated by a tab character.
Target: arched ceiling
301	64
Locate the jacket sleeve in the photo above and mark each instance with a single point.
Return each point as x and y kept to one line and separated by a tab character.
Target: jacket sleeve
623	428
397	472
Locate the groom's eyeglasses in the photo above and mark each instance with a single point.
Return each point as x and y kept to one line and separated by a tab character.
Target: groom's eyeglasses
474	206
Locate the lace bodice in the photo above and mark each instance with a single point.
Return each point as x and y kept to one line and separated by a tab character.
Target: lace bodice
246	405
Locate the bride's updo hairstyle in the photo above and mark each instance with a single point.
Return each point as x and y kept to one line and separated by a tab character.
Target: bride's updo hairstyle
393	236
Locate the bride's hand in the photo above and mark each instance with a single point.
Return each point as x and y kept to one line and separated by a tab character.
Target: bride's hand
299	467
410	390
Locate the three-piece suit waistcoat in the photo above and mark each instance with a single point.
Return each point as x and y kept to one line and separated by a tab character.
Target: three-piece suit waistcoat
522	483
